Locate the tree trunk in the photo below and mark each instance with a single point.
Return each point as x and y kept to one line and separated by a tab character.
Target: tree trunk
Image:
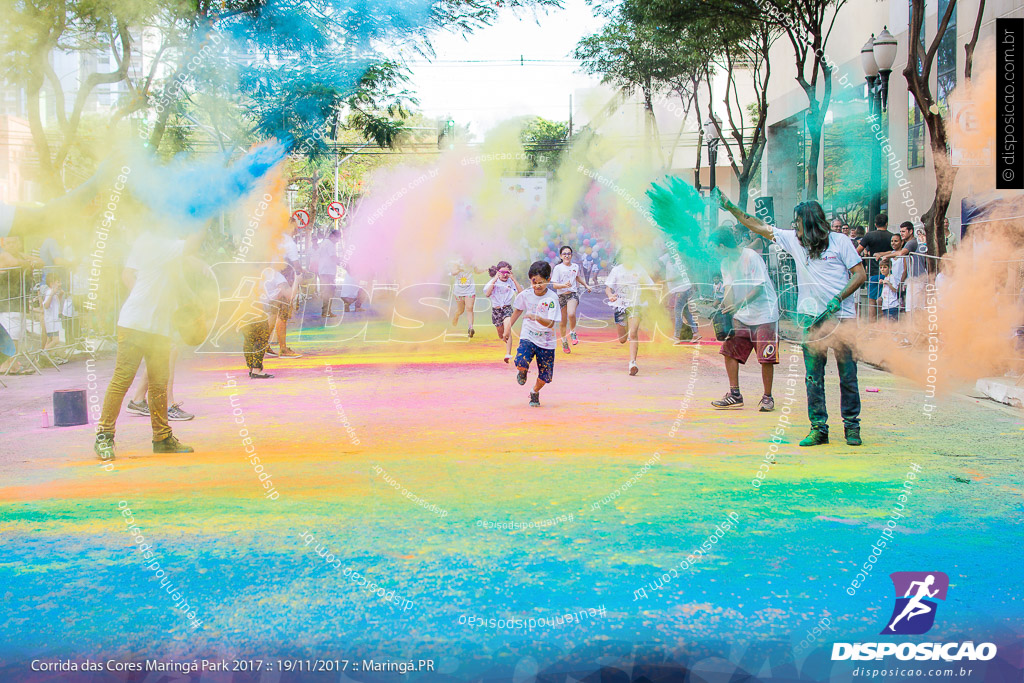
945	176
47	175
814	128
744	190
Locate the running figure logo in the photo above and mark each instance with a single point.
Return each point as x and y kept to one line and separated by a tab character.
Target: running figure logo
914	613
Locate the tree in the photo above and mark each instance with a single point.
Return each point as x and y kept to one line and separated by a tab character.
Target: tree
30	33
918	75
807	23
544	141
751	47
239	69
634	56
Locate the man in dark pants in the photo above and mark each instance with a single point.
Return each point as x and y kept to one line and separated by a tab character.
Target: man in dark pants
876	244
828	271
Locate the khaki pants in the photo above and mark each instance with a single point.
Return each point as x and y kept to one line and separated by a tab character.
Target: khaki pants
132	347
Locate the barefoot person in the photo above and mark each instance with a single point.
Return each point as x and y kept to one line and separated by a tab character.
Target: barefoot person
828	272
144	332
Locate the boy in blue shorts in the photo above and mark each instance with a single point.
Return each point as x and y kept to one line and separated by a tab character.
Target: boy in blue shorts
539	309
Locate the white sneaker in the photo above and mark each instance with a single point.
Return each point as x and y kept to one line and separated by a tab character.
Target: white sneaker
633	369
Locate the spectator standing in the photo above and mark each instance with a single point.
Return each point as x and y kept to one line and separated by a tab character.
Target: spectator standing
875	244
328	260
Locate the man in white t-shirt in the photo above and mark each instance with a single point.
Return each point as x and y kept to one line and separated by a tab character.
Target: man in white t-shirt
327	261
538	306
750	298
293	273
828	271
144	332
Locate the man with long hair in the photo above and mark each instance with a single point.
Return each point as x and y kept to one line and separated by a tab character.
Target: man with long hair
828	271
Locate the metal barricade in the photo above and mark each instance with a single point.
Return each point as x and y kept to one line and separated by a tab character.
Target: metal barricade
14	317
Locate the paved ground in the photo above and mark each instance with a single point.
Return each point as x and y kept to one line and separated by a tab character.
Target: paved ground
343	431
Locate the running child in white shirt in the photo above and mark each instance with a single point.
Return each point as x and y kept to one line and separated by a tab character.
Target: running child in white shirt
564	280
502	290
623	286
464	292
540	311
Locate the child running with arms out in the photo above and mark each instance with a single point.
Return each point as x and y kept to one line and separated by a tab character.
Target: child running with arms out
502	290
540	311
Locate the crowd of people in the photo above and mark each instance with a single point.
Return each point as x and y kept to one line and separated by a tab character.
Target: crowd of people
830	260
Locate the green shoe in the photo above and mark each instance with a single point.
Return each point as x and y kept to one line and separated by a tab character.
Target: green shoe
853	436
817	437
104	447
171	445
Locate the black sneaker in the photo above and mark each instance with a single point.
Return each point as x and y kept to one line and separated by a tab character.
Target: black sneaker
140	408
730	401
817	437
171	445
535	399
853	436
521	376
104	447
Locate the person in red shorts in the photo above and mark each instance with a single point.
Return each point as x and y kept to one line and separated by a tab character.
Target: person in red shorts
750	297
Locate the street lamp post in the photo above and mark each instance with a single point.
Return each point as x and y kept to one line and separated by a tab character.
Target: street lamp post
877	57
711	135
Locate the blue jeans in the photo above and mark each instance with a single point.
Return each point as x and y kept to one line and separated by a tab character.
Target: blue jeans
817	342
683	313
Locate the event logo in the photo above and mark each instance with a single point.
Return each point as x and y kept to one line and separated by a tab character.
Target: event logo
914	612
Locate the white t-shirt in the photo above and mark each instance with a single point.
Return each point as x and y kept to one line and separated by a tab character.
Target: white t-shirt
897	266
891	299
744	273
327	260
6	219
675	274
51	313
544	306
151	301
562	274
289	250
349	288
625	281
503	294
821	279
464	282
273	284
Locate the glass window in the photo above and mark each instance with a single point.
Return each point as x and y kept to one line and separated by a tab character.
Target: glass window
915	133
945	58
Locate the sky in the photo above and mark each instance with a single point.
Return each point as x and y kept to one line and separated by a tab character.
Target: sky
478	79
